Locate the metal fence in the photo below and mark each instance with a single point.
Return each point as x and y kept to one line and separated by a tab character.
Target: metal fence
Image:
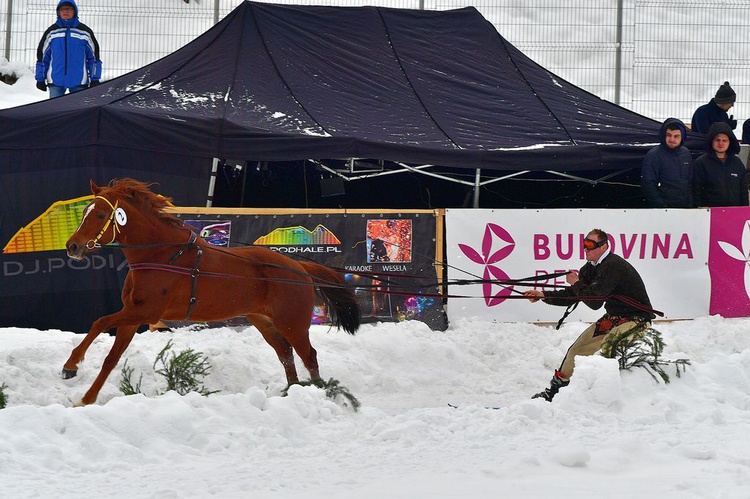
660	58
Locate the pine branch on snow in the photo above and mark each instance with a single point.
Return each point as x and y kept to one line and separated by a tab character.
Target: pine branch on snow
641	347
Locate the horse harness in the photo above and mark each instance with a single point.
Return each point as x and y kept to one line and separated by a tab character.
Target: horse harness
94	243
193	272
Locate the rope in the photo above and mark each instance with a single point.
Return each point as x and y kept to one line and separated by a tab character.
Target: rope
531	281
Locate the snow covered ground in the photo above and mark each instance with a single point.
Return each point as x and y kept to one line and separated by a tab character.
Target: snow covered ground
610	433
24	91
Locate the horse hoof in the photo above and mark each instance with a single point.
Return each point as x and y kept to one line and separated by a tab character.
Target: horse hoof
68	373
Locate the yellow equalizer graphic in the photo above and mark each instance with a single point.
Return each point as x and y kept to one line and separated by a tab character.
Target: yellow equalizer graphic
298	236
50	230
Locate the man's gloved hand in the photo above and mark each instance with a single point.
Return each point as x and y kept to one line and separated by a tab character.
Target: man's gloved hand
41	86
97	82
732	122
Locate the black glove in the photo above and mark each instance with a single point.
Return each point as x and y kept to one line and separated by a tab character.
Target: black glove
97	82
41	86
732	122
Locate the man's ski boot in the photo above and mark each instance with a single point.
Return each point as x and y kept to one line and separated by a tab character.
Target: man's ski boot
555	384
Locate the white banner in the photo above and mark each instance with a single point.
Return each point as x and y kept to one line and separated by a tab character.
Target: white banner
669	248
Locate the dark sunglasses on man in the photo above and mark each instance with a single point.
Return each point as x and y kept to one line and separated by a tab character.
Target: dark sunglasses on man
590	244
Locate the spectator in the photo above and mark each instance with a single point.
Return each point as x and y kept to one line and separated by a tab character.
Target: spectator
667	169
746	132
720	176
715	110
68	54
608	277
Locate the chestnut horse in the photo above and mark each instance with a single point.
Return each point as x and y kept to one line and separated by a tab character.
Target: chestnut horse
176	275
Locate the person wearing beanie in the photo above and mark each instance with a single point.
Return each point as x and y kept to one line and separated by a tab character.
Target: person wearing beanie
68	54
715	111
667	169
720	177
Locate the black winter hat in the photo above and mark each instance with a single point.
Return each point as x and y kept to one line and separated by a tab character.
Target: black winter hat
725	94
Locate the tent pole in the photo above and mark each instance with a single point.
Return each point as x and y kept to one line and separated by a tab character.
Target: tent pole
244	184
477	182
212	183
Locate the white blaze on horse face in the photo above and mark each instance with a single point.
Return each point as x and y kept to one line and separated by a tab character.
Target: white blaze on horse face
85	214
121	217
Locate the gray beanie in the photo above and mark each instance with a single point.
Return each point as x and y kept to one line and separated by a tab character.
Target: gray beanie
725	94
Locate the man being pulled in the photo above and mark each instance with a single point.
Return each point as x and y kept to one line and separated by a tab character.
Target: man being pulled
606	279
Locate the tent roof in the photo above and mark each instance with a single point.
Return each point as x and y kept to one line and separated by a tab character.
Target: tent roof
280	83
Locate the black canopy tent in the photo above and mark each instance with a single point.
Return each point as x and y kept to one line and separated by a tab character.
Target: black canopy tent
420	91
280	83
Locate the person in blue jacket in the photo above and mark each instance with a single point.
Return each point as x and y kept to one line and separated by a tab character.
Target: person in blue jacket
667	169
720	176
68	54
715	111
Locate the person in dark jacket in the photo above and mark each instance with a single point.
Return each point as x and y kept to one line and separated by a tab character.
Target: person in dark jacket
603	278
667	169
720	176
715	111
68	54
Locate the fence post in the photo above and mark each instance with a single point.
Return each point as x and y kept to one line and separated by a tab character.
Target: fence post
8	26
618	53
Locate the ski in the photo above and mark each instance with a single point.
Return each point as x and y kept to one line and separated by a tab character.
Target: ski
453	406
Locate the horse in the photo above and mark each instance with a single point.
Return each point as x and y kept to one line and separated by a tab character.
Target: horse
176	275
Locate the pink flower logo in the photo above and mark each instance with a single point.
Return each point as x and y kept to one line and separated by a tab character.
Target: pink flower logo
488	258
741	254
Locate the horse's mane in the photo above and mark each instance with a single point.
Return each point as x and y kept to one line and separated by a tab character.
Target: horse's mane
145	199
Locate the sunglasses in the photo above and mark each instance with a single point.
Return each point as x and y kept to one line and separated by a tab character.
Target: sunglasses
590	244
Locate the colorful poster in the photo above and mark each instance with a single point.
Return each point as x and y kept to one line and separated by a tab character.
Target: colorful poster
389	259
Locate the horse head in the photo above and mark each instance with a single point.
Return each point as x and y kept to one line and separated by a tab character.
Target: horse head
123	202
99	225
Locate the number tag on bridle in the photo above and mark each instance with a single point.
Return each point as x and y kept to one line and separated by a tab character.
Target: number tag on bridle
121	217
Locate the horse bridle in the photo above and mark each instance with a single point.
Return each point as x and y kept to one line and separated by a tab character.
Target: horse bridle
94	243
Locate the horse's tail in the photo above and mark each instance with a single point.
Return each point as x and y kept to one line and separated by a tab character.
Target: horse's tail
340	298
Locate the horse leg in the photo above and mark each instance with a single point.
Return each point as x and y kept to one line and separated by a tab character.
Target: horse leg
122	339
306	352
277	341
70	368
295	328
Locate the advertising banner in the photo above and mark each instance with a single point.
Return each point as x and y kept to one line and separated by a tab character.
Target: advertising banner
390	257
669	248
693	262
729	257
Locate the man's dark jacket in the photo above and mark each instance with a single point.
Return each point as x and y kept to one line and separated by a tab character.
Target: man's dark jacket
667	174
717	182
706	115
613	276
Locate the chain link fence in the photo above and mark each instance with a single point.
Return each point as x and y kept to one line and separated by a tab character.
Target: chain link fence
660	58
